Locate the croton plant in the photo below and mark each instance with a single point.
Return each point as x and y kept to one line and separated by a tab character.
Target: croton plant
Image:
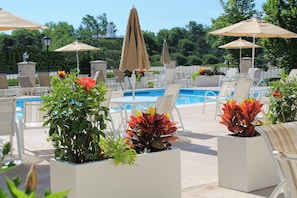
240	118
150	131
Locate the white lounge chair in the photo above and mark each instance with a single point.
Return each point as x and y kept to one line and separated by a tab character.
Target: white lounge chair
8	125
173	90
224	93
240	92
231	75
281	139
32	119
5	90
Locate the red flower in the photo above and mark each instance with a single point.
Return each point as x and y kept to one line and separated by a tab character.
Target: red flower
87	83
277	94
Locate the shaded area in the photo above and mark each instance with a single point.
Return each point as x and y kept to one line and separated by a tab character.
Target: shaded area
200	136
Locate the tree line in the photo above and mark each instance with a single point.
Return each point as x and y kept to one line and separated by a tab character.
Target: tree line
189	45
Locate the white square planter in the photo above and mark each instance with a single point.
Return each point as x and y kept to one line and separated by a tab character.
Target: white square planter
155	175
207	81
245	163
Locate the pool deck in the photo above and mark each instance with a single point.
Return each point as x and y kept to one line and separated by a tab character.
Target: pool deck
198	146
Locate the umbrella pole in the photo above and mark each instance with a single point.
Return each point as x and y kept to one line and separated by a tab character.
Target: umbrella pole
133	80
253	52
77	62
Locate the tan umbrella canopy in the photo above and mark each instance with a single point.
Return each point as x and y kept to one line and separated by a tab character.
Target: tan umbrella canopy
165	56
239	44
255	28
134	54
76	47
9	21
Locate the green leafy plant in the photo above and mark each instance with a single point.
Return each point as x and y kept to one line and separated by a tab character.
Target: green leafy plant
206	72
240	118
30	184
77	119
151	132
283	100
118	149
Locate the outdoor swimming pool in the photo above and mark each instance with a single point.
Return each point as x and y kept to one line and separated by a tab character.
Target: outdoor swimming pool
186	96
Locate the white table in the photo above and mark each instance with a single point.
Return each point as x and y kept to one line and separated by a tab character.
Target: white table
123	102
137	100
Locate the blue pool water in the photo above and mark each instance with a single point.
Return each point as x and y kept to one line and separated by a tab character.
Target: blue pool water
186	95
20	102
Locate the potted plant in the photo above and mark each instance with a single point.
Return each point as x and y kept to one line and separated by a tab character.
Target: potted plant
85	154
206	77
283	100
244	161
151	135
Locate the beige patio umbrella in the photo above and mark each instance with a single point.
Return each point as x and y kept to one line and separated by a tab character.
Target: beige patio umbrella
9	21
165	56
76	47
255	28
134	54
239	44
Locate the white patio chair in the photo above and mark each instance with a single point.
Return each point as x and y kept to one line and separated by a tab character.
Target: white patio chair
28	88
32	119
120	79
8	124
116	111
241	91
173	90
281	139
224	93
180	78
231	75
44	82
99	77
5	90
254	74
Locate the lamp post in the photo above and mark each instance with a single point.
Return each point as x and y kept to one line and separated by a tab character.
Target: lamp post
47	43
97	33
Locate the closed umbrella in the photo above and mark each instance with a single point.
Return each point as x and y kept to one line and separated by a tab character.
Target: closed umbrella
9	21
165	56
255	28
76	47
239	44
134	54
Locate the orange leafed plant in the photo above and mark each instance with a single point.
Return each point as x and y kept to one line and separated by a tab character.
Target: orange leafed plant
240	118
151	132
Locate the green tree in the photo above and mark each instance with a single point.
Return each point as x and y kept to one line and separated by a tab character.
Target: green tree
186	47
197	34
194	60
281	51
210	59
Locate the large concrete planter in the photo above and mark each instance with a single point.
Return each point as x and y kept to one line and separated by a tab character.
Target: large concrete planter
154	175
245	164
207	81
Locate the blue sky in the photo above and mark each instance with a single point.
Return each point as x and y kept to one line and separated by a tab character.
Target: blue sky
154	15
